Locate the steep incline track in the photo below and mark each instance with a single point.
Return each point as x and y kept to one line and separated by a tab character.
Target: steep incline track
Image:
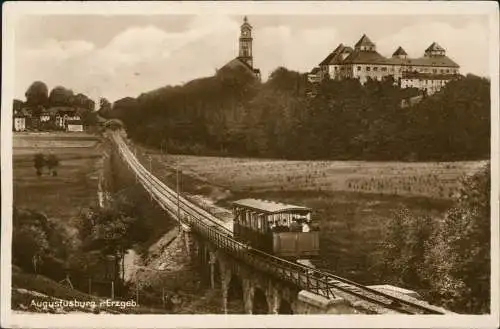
210	227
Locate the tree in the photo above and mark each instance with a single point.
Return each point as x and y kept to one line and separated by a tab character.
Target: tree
459	257
60	96
113	229
39	163
104	107
37	94
29	239
52	163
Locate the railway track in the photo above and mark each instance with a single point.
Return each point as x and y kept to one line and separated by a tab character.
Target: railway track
318	281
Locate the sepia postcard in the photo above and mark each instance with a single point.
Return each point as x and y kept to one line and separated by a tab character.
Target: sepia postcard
270	164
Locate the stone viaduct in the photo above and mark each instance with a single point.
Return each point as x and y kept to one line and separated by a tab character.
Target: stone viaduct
260	293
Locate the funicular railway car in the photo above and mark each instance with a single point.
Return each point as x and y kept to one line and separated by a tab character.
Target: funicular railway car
283	230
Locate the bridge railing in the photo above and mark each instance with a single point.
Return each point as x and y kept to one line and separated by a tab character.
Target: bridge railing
301	276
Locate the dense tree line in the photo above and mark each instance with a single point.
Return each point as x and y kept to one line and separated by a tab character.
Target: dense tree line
233	114
37	95
39	98
448	260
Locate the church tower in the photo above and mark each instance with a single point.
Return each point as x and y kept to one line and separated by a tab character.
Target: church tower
245	54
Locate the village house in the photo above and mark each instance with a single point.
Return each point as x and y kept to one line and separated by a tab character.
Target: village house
54	118
428	73
19	122
74	125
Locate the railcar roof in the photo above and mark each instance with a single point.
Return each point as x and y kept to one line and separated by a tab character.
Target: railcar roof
268	206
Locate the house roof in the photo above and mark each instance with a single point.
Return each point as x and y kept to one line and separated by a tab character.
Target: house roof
58	109
399	51
269	207
365	57
434	47
315	70
364	41
74	122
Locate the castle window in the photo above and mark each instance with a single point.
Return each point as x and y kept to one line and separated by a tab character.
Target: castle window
434	71
447	71
368	68
384	69
359	68
375	68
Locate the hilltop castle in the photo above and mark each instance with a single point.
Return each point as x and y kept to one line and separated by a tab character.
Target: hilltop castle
245	57
428	73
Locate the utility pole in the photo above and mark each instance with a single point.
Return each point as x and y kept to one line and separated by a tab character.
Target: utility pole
178	197
150	194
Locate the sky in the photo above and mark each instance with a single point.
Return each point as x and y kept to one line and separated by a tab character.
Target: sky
126	55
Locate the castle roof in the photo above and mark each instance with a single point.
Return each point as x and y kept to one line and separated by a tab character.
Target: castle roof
400	51
326	61
335	56
364	41
434	47
424	61
365	57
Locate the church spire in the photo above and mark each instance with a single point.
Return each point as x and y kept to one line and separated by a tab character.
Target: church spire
245	53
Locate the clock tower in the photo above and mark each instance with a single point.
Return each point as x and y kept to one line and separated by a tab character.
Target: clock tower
246	43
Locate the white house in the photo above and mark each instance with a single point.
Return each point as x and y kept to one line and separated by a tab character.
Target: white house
19	123
74	125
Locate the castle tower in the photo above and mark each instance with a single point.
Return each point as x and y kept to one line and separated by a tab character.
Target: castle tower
434	50
365	44
245	53
400	53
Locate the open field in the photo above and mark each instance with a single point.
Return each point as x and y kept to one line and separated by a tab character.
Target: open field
436	180
353	201
60	197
